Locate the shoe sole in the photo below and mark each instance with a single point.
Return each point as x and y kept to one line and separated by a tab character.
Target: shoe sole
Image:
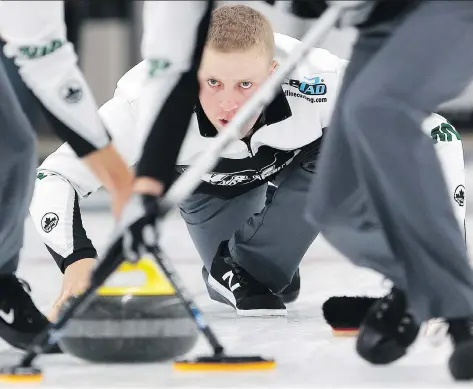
13	338
22	341
226	295
216	296
459	363
262	312
286	298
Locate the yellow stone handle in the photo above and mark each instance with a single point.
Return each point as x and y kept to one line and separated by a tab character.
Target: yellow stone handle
155	283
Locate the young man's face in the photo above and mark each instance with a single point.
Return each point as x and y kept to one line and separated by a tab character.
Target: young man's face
228	80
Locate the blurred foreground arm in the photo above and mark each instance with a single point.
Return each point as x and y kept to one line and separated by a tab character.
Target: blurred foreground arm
35	36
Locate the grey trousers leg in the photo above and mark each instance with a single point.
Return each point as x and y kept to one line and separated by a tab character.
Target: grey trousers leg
378	168
211	220
17	172
272	243
268	239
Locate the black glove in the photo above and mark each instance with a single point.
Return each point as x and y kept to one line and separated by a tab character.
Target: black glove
139	226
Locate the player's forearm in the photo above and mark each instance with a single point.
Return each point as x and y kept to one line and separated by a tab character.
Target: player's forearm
35	36
161	149
60	86
148	185
168	130
170	106
164	119
110	169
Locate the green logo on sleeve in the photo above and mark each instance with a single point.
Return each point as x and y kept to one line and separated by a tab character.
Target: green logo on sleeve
40	51
156	65
444	133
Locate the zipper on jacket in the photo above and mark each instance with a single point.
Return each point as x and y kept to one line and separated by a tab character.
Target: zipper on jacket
247	142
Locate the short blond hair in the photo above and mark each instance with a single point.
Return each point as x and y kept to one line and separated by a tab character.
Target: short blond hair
240	28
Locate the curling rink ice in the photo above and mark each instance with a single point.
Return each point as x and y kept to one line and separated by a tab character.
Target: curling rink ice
307	354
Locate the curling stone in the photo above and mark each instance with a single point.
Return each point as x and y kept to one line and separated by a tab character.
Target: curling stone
129	324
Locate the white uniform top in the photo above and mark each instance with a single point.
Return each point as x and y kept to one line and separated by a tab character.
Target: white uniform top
310	90
309	116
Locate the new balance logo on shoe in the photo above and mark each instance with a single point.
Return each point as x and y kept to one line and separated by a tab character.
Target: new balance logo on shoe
9	317
248	296
229	274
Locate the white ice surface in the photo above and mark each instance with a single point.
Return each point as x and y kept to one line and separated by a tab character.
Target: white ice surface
307	354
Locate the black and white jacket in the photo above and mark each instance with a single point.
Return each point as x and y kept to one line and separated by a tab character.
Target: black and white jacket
294	121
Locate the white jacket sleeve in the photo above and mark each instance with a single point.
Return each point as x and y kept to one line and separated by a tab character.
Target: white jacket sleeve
63	179
120	116
338	67
55	213
320	64
35	36
449	149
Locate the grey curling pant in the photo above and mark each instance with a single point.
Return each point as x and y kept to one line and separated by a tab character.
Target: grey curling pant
377	168
268	235
17	172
